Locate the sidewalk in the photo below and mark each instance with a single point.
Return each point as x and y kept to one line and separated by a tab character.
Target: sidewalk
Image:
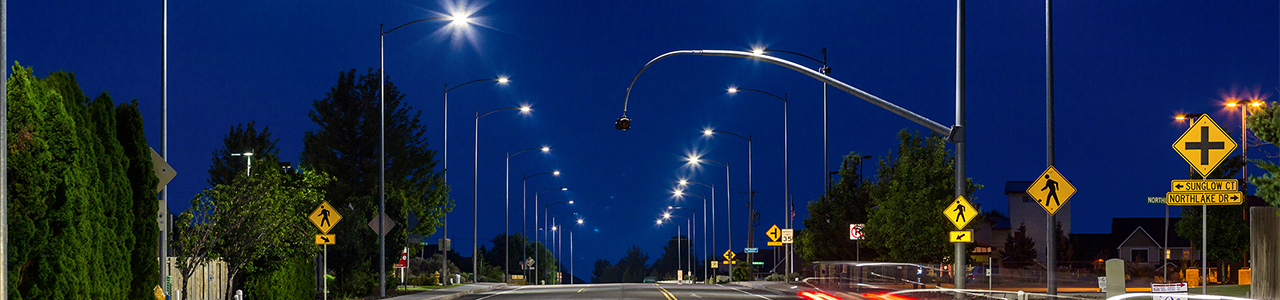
453	292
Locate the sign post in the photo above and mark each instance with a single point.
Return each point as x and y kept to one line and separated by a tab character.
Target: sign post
1051	190
774	235
324	218
1204	146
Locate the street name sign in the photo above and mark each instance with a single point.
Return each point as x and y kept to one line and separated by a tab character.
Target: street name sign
1212	198
773	233
326	239
324	217
1155	200
751	250
1051	190
960	212
855	231
1204	185
1205	145
787	234
962	236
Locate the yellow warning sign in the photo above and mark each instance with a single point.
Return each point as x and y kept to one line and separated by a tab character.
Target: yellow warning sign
324	217
1205	145
774	233
963	236
960	212
1051	190
728	255
326	239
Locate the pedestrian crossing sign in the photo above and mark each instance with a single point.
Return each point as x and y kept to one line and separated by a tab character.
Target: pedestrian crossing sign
1051	190
324	217
960	212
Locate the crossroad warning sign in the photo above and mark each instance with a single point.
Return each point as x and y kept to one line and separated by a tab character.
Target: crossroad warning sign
1051	190
324	217
960	212
774	233
1205	145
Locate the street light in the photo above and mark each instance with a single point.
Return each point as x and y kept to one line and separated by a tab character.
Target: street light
688	224
456	20
786	161
546	209
751	192
558	229
248	158
695	160
825	70
1204	214
475	199
1244	135
502	80
535	209
693	227
507	180
678	193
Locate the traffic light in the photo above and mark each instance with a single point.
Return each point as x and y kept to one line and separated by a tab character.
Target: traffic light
623	123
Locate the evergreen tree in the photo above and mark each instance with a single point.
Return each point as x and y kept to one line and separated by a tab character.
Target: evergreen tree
241	139
145	203
827	227
346	146
1019	249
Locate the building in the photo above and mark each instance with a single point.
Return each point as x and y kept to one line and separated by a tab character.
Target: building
1141	241
1024	210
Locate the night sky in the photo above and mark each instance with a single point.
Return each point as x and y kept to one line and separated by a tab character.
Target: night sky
1122	70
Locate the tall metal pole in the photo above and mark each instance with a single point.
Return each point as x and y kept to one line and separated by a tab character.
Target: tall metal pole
444	273
571	257
4	144
475	204
382	162
751	200
506	239
786	170
1051	243
960	121
1204	249
164	149
524	207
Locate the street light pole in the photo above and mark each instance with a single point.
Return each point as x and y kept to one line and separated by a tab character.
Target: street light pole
444	273
524	209
546	217
475	199
786	168
692	225
506	240
825	70
751	192
382	139
248	158
678	193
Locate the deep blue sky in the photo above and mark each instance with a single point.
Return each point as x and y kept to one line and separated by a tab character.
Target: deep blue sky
1122	70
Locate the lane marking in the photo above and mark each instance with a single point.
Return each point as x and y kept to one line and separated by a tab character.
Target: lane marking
508	291
666	293
740	291
580	290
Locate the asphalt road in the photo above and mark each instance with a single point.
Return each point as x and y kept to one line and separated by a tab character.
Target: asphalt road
630	291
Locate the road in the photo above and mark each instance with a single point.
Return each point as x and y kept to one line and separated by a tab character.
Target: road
629	291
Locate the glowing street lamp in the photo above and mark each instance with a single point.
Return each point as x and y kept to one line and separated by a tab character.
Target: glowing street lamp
475	168
535	207
751	192
248	159
506	179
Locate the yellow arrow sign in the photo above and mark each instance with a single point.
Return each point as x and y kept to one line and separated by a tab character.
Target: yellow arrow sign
324	217
774	233
963	236
1051	190
1204	185
1205	145
960	212
326	239
728	254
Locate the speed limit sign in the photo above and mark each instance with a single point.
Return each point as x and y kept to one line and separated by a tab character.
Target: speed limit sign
855	231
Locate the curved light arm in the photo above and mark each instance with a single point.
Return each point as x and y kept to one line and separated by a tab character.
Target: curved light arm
556	172
407	24
544	149
736	89
668	216
682	208
682	193
568	213
498	79
555	189
700	159
522	108
823	62
553	204
748	138
695	182
953	133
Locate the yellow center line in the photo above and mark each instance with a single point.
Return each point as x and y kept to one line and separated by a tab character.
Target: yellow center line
580	290
667	293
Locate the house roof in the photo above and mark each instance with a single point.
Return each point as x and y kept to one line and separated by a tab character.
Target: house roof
1122	229
1016	187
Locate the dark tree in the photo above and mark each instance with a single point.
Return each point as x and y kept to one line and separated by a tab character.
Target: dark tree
1019	249
598	272
346	146
827	228
242	139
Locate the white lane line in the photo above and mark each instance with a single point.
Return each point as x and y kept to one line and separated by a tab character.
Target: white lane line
517	289
695	295
740	291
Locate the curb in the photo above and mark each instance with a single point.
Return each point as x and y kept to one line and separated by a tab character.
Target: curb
468	292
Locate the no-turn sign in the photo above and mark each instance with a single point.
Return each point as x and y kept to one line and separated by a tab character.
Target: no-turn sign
855	231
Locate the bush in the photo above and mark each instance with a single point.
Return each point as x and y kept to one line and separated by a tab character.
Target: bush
294	279
775	277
